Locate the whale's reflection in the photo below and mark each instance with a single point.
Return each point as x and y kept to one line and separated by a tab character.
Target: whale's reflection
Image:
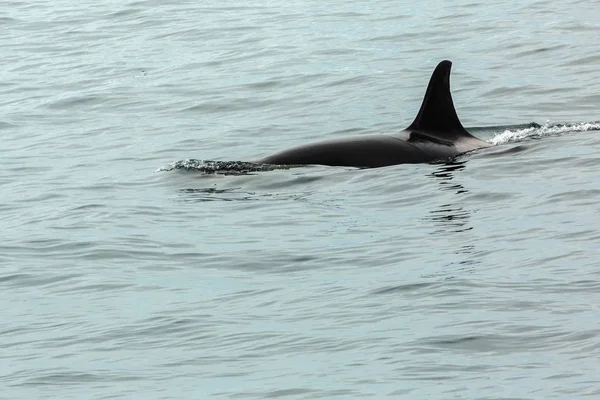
445	175
450	217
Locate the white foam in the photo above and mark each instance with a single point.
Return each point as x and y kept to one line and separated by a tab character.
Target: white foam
219	167
517	135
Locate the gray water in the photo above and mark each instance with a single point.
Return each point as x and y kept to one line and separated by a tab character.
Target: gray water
123	277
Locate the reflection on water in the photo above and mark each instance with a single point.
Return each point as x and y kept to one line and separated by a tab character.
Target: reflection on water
214	194
445	174
450	217
232	194
453	218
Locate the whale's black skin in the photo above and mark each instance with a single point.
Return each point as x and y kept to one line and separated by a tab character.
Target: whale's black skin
435	134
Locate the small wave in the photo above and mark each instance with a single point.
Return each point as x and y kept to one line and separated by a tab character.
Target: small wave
220	167
538	131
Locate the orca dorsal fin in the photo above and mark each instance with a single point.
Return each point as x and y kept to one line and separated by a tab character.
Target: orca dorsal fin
437	114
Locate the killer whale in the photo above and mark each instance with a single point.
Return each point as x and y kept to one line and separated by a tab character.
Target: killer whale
435	134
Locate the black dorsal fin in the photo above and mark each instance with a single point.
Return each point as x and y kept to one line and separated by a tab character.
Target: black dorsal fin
437	114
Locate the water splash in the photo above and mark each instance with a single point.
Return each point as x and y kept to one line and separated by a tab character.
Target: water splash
535	131
220	167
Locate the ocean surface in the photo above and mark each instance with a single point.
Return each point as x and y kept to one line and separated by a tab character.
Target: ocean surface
131	269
